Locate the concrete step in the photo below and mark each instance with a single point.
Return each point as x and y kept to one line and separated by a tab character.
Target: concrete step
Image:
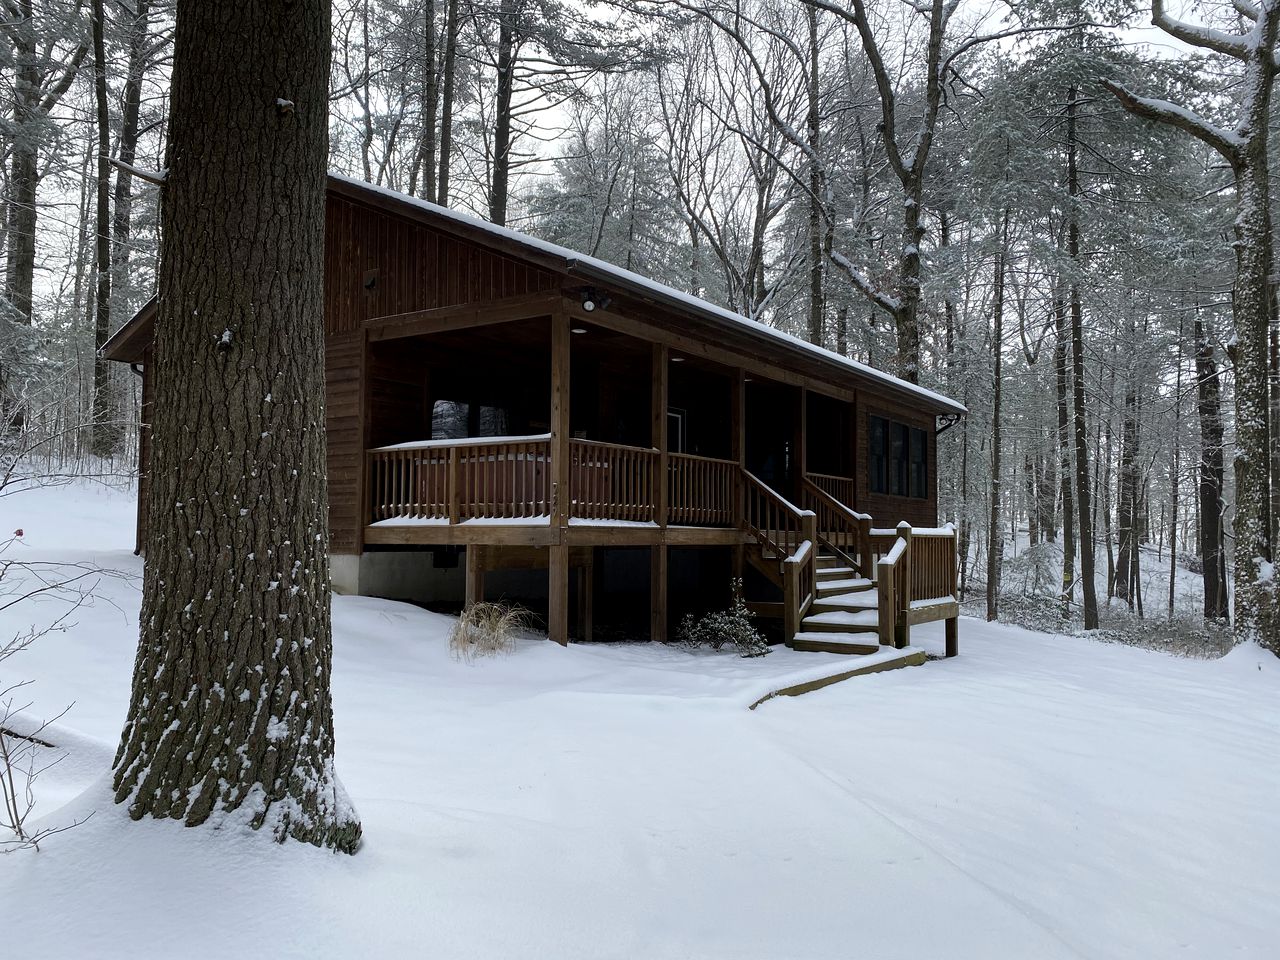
834	643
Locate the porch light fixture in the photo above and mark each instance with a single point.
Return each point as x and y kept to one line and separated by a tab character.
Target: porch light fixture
677	359
577	329
592	298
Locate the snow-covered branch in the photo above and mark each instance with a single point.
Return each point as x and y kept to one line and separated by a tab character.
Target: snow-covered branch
1226	142
1232	45
868	289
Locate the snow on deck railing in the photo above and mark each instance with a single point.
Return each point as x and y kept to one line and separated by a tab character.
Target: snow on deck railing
459	442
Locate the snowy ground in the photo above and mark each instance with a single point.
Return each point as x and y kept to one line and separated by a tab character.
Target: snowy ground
1038	797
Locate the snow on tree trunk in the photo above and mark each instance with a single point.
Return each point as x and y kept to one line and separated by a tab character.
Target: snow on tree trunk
231	720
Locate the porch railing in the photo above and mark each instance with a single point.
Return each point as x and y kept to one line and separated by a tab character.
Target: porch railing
916	582
612	482
702	492
457	480
841	530
840	489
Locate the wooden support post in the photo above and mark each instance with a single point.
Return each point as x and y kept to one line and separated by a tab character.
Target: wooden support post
658	433
739	441
587	596
902	629
658	592
790	601
453	485
953	636
802	441
558	593
561	505
887	606
475	574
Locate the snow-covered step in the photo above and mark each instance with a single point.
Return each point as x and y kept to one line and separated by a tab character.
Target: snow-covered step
862	600
834	643
836	573
827	588
835	621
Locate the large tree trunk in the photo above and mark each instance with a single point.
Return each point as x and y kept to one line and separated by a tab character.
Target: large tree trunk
106	426
430	105
231	718
816	218
1213	555
1087	586
122	215
1127	495
500	184
1255	579
995	547
446	105
1064	457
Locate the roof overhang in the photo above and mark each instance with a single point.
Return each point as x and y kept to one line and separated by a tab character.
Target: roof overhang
132	339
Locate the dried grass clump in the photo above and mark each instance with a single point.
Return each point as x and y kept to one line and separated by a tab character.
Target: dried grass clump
487	630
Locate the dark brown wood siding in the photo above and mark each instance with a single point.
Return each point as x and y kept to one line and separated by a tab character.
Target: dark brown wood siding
378	265
344	429
886	510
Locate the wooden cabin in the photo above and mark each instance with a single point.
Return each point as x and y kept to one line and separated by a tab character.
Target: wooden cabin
509	418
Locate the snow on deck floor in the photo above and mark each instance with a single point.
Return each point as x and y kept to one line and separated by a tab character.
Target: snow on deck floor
1037	797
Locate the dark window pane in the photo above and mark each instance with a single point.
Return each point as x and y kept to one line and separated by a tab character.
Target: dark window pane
449	419
898	460
876	439
919	463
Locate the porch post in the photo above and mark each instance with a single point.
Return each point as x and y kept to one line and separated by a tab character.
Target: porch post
558	561
661	486
738	452
475	574
802	445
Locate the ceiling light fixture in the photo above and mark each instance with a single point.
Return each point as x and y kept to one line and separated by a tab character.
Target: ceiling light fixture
578	329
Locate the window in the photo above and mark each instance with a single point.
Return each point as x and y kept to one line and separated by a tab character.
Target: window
676	440
877	435
919	465
454	420
897	458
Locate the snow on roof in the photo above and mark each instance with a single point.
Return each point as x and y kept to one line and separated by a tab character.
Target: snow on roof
581	262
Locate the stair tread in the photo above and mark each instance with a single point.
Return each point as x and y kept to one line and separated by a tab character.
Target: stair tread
851	585
864	600
836	573
837	642
858	618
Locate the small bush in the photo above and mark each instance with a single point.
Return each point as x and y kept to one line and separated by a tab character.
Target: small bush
725	627
486	630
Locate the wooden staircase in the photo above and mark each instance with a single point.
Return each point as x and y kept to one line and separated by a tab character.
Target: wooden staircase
844	616
848	588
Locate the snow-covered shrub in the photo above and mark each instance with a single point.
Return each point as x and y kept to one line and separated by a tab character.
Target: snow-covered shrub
725	627
486	630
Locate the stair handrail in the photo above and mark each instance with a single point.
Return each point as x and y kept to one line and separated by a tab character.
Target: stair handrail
893	589
791	533
856	525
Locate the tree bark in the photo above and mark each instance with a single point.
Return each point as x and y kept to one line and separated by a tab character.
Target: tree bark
1087	586
500	184
1213	555
230	720
1127	494
995	547
105	427
816	218
426	164
1064	457
446	104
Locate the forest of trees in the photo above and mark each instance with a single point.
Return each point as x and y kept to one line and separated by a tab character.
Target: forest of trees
1051	211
